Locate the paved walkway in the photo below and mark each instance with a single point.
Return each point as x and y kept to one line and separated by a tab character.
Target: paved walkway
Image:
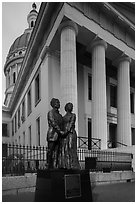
120	192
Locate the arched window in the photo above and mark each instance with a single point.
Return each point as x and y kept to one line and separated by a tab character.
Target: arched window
32	24
14	77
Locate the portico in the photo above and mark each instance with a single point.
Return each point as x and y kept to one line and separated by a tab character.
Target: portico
99	51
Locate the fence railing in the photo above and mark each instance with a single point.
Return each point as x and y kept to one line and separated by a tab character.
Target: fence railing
90	144
19	159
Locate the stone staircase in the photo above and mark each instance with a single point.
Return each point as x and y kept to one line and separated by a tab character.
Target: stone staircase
120	173
128	149
98	178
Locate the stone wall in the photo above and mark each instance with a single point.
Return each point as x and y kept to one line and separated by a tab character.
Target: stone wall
18	184
14	185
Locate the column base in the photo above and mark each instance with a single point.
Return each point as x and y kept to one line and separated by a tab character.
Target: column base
63	185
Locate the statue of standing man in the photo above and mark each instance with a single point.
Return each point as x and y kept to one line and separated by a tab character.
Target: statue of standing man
55	122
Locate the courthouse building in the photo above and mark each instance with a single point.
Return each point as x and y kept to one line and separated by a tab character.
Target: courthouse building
79	52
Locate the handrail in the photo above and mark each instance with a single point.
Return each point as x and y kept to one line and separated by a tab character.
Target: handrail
122	144
110	142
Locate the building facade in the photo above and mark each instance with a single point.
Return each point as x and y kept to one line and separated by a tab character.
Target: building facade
82	53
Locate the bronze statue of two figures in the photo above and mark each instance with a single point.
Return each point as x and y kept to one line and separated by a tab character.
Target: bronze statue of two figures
63	180
61	138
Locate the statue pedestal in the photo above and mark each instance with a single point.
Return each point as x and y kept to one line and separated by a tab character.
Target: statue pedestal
63	185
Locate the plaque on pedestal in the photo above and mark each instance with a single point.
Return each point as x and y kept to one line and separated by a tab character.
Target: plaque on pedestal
63	185
72	186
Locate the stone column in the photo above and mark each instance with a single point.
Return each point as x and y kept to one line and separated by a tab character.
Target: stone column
68	73
123	102
99	102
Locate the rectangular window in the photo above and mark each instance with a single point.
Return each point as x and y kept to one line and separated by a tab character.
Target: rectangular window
29	142
4	150
113	96
133	135
89	87
37	89
5	129
29	101
23	111
132	102
18	117
24	138
38	130
12	127
15	123
89	133
19	141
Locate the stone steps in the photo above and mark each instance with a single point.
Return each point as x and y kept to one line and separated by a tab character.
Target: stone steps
112	177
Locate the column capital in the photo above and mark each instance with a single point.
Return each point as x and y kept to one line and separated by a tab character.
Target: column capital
68	24
124	58
120	59
96	43
48	50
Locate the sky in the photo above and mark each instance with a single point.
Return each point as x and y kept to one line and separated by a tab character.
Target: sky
14	22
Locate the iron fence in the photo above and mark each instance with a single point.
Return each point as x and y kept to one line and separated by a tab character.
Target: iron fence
19	159
90	144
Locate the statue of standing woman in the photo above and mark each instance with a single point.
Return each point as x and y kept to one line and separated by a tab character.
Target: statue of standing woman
68	158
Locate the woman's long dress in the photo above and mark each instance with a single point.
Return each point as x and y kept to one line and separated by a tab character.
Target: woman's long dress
68	146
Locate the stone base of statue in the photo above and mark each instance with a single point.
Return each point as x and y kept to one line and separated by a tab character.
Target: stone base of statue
63	185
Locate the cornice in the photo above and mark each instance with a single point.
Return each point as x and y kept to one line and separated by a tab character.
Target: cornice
119	15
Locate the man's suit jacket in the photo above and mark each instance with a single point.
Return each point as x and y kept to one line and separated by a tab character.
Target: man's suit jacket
55	122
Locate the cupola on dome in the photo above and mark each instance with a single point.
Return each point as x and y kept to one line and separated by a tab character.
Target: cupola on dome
19	46
34	8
